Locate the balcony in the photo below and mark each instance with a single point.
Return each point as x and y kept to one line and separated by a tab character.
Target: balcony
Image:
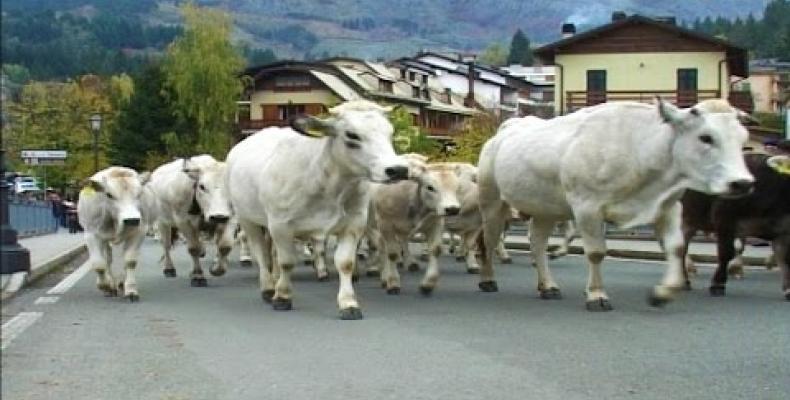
254	125
575	100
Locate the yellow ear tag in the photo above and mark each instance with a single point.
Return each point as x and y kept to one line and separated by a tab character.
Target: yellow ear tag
315	133
87	191
780	164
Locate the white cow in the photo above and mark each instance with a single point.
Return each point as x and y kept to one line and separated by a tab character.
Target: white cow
115	208
191	194
623	163
409	207
308	182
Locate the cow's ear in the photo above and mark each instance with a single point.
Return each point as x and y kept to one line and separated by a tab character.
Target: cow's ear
466	172
144	177
313	126
94	185
189	168
668	112
780	164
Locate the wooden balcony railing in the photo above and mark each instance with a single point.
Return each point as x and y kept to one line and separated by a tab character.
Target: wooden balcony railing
575	100
258	124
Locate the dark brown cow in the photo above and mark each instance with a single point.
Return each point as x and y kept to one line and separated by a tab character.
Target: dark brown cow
765	214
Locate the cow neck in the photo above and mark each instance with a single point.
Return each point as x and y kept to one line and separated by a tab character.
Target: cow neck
340	182
416	206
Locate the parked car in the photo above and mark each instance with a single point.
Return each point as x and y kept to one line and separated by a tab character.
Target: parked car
25	184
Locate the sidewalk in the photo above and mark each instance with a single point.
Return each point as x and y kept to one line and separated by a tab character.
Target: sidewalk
647	249
46	253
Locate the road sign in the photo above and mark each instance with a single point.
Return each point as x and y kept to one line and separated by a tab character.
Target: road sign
45	161
45	154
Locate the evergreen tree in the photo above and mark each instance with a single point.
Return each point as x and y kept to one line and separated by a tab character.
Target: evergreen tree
520	52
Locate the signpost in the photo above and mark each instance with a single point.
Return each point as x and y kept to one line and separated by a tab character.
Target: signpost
44	158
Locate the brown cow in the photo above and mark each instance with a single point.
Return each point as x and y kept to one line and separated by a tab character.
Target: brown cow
765	214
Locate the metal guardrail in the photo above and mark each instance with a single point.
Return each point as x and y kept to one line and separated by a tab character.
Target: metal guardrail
31	217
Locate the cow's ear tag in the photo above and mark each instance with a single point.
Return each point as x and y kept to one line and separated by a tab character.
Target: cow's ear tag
87	191
780	164
313	132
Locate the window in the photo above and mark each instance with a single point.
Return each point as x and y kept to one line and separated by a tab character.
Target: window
403	74
415	92
412	76
385	86
687	87
596	86
425	79
286	112
292	82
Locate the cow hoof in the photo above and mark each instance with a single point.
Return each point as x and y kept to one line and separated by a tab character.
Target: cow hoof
199	282
488	286
323	278
550	294
308	262
414	267
473	271
354	278
351	313
598	305
787	295
553	256
245	263
718	291
506	261
133	297
169	272
426	290
372	273
656	301
217	272
687	285
267	295
110	292
393	290
383	285
282	304
424	257
460	258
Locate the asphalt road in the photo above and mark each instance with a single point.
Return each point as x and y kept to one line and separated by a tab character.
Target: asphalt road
223	342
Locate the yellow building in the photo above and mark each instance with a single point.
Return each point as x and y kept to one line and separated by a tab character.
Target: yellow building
636	58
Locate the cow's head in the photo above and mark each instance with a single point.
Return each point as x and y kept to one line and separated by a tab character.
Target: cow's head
360	140
211	194
439	189
708	146
122	190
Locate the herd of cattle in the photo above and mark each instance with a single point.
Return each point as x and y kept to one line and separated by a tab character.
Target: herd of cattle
339	178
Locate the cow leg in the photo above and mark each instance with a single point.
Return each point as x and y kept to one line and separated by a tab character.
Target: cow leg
260	249
390	277
166	238
539	232
501	252
196	250
688	264
131	251
99	260
376	253
735	266
319	259
495	215
725	245
468	244
224	242
781	247
245	256
408	258
568	234
345	258
433	241
285	259
668	229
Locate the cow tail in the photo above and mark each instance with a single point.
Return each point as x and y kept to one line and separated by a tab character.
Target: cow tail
481	246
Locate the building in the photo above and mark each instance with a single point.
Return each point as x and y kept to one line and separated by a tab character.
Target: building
481	86
285	89
537	95
636	58
769	85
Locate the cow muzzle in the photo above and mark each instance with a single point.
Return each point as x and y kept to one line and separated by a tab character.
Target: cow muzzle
739	188
450	211
131	222
218	219
398	173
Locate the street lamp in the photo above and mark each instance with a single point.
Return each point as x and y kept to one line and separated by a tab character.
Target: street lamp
96	128
14	257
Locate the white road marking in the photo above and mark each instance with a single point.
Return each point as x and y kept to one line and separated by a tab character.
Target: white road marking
69	281
47	300
15	326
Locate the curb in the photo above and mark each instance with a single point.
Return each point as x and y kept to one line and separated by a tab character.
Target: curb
642	254
21	279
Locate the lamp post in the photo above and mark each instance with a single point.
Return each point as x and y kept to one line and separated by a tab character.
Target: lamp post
96	128
14	257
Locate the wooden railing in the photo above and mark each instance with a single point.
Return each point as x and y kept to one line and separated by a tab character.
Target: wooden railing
257	124
575	100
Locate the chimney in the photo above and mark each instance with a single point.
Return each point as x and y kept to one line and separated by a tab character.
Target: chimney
618	16
469	101
568	30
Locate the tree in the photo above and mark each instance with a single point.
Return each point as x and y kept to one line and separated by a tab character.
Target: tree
471	139
494	54
201	74
520	52
407	138
142	123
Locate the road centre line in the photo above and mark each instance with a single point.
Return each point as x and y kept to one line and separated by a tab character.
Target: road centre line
15	326
69	281
47	300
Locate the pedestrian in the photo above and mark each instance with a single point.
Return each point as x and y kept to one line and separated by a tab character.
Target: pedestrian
56	203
